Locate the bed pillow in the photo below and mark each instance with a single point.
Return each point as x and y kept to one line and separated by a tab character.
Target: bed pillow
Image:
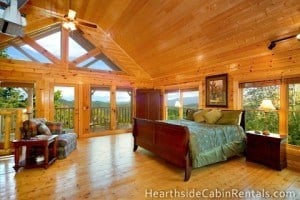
190	114
230	117
212	116
199	115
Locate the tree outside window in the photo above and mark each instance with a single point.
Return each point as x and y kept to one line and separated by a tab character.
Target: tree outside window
255	118
294	114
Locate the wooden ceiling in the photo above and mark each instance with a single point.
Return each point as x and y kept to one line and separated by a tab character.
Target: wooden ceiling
175	37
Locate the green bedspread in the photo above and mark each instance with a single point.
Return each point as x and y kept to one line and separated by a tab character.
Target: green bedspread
211	143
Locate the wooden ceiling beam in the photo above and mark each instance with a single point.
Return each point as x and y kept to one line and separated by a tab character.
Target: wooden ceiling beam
64	51
40	49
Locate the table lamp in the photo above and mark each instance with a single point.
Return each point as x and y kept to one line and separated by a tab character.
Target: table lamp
178	105
267	106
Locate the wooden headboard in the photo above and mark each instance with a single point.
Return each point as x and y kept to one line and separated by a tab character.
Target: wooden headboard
243	120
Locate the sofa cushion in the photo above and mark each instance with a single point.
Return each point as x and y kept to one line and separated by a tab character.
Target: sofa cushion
64	139
66	143
43	129
55	127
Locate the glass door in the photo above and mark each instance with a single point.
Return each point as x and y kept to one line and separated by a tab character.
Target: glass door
124	108
100	109
64	105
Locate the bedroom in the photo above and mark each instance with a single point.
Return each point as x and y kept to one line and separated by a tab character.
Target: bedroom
164	45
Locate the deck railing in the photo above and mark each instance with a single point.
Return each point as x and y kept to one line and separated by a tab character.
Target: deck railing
10	124
124	115
66	116
100	116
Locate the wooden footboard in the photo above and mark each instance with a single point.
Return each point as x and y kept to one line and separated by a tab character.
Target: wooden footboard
168	141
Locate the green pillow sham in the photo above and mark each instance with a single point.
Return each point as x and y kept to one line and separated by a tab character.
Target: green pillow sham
230	117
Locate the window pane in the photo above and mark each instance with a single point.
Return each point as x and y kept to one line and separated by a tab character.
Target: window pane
172	111
100	111
13	53
123	100
75	50
257	119
190	100
51	43
294	114
35	54
64	105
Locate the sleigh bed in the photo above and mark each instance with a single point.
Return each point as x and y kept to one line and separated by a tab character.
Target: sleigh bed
191	143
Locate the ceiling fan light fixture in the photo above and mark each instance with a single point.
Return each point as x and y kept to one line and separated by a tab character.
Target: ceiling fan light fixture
72	26
69	26
71	14
298	36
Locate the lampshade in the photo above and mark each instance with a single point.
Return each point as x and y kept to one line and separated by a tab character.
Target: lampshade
266	105
177	104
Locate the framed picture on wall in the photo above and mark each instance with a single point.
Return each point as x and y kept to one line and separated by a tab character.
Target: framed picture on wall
216	91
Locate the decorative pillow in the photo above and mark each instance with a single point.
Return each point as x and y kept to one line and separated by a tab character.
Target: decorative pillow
55	127
31	126
190	114
44	130
230	117
212	116
199	115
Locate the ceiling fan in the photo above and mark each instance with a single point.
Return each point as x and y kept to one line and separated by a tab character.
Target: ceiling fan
70	21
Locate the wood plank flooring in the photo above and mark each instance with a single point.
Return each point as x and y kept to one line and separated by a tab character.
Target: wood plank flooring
107	168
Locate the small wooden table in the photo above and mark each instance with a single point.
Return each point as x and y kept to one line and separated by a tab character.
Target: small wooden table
40	151
269	149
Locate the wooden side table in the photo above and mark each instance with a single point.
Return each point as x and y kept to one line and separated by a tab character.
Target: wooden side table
269	150
42	146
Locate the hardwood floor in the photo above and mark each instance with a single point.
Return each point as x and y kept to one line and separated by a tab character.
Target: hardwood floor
107	168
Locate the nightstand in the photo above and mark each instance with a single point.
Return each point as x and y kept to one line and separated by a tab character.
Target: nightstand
269	150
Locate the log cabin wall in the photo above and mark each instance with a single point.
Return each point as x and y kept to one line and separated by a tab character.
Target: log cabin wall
46	76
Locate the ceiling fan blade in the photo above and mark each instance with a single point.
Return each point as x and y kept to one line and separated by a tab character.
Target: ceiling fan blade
88	24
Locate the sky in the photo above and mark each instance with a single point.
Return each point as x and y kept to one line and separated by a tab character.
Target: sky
104	96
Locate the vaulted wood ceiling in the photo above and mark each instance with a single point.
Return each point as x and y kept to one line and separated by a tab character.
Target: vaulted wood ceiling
164	37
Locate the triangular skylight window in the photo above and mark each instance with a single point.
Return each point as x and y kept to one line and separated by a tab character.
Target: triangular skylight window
99	62
50	40
15	54
51	43
25	52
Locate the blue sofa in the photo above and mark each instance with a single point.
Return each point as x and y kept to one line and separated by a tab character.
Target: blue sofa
67	142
